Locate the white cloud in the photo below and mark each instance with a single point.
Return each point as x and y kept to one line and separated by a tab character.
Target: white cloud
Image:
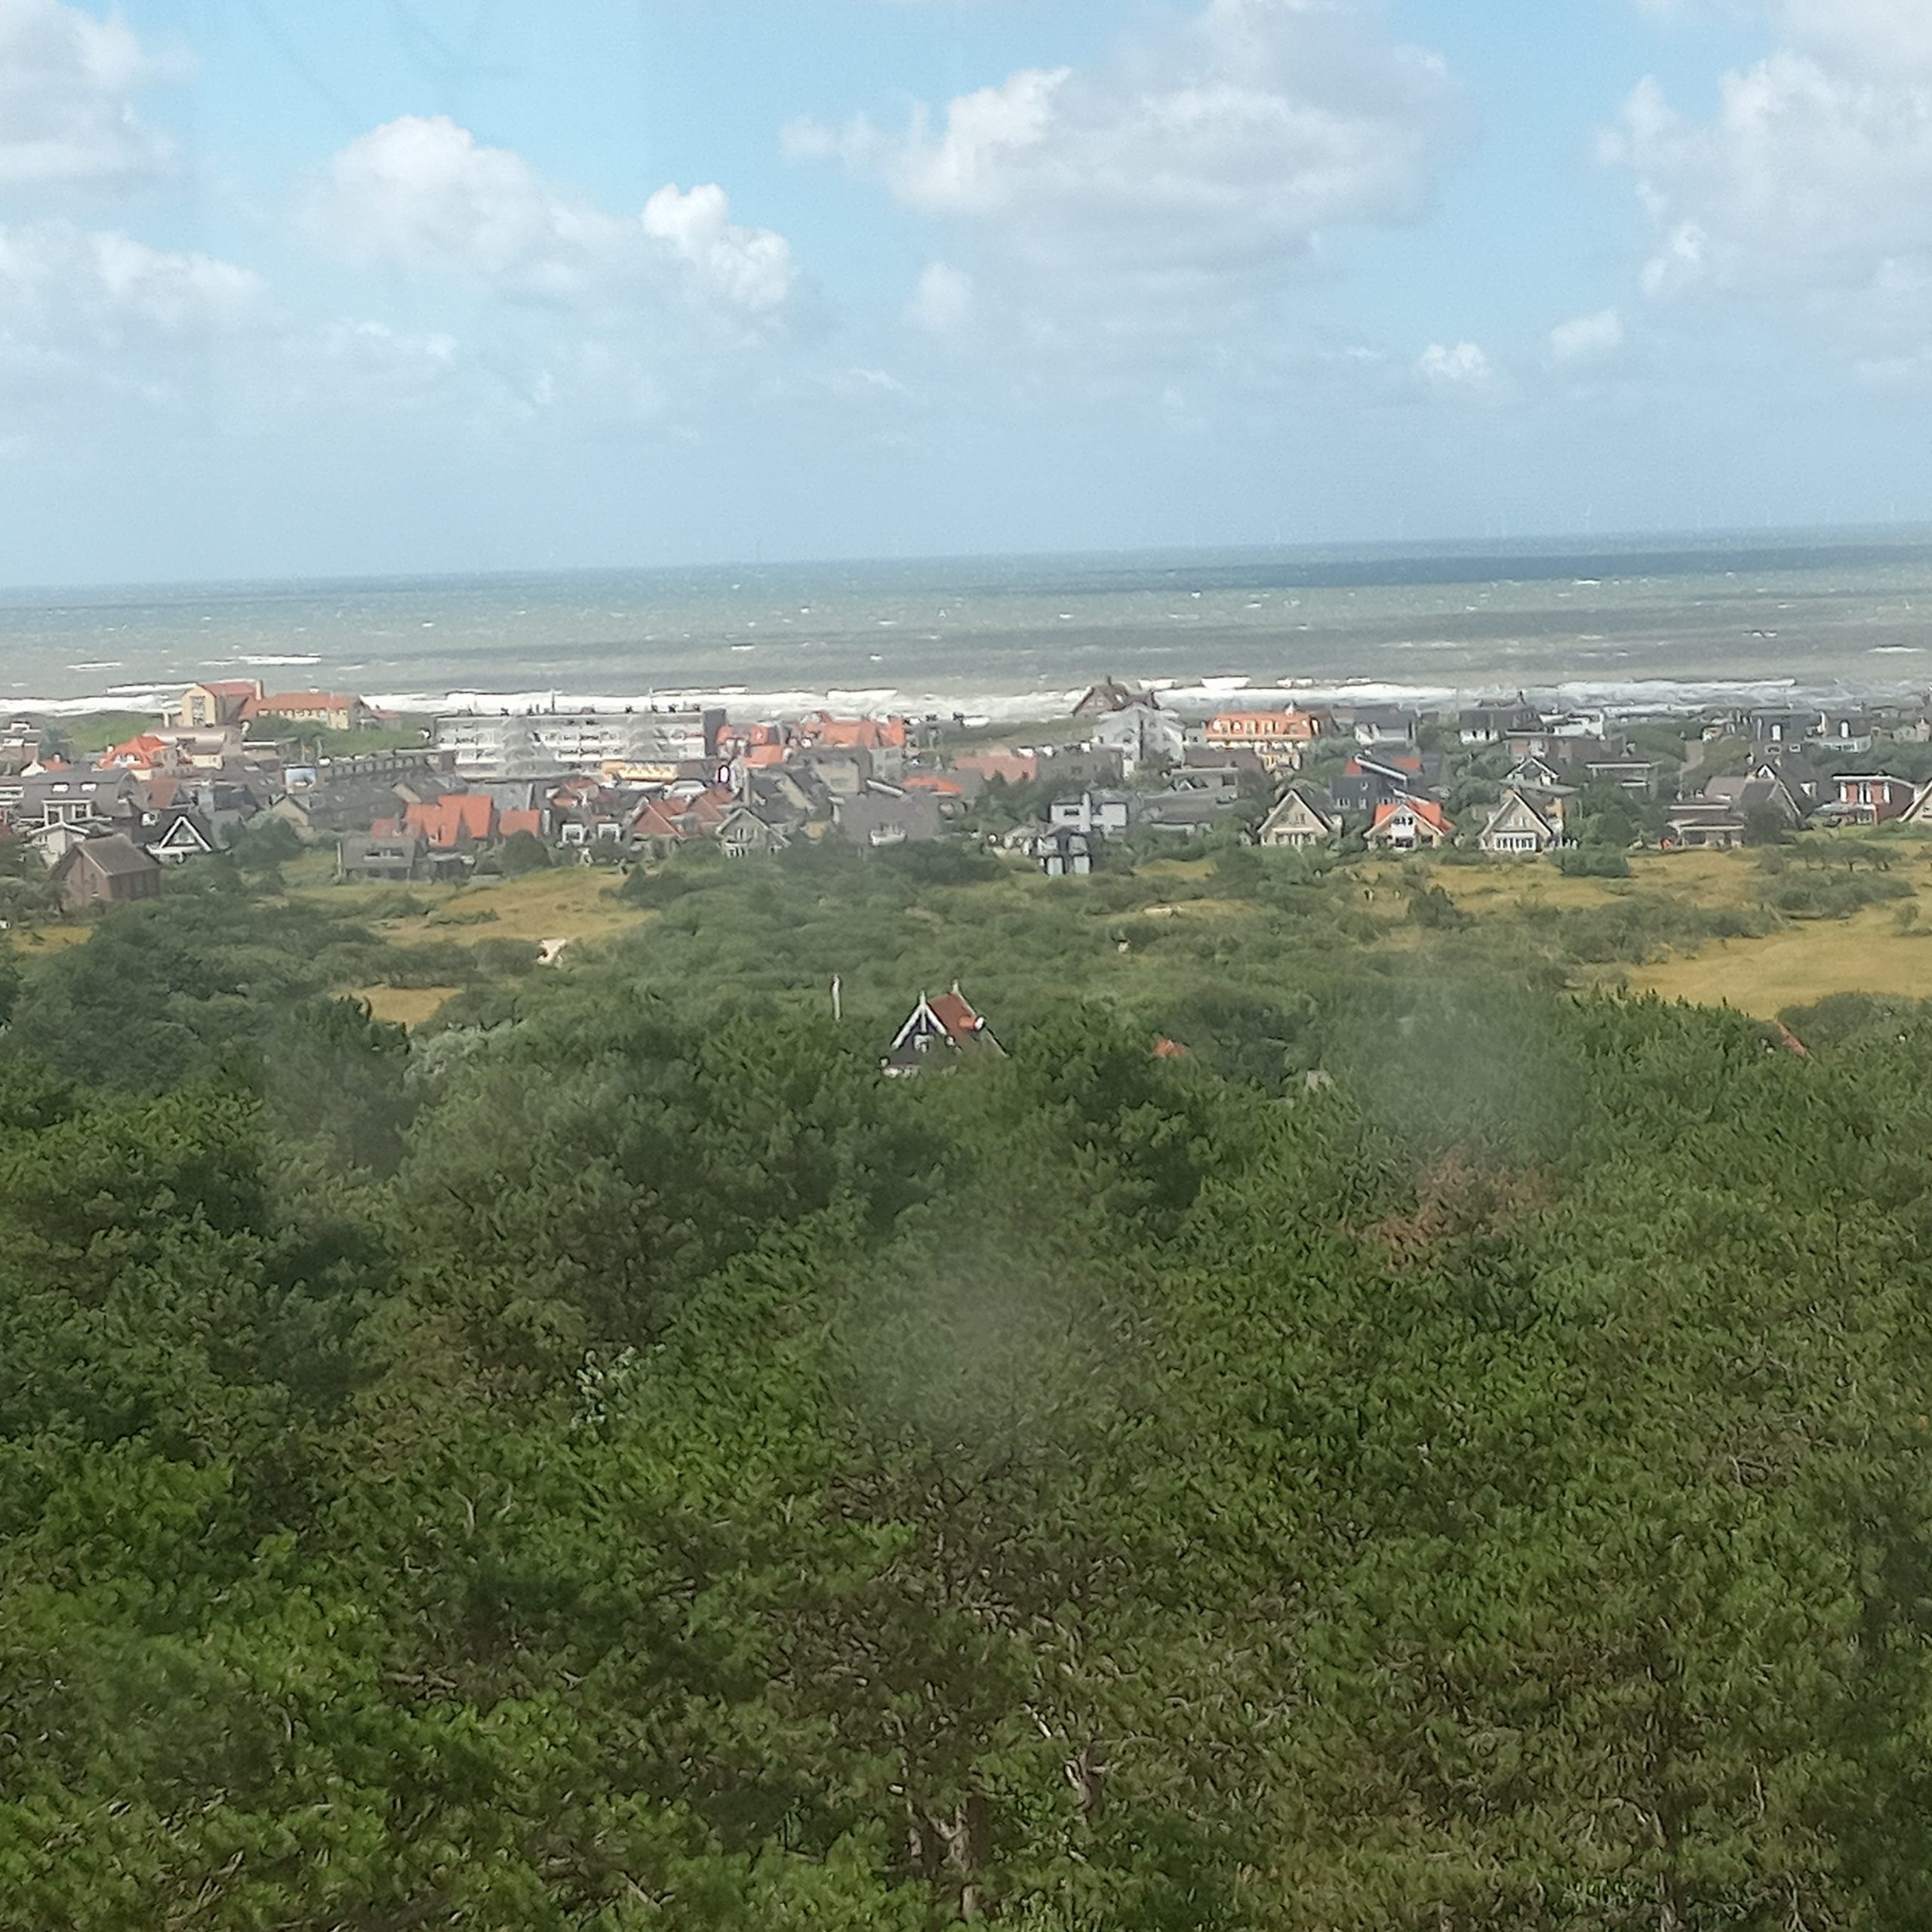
1586	340
1198	167
67	80
423	194
942	303
68	287
1464	367
1812	181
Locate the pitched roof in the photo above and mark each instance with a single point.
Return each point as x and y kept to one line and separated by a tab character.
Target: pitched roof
1427	810
116	857
510	824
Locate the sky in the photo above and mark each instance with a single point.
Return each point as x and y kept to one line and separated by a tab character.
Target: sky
394	286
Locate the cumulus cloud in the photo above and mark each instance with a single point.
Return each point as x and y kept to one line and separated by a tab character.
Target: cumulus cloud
1196	165
422	193
1586	340
1812	179
1464	367
65	285
67	84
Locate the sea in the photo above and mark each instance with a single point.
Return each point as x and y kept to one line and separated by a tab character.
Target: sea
1660	623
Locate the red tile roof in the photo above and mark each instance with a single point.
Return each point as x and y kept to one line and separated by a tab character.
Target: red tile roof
958	1019
510	824
1427	810
450	819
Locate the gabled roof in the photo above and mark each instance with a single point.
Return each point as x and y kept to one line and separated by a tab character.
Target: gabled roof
948	1023
116	857
1426	809
1300	800
1520	802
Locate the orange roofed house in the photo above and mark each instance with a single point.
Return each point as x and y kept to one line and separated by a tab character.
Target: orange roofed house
939	1034
1406	825
1276	737
321	711
457	822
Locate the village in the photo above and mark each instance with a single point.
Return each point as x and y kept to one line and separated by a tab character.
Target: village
470	796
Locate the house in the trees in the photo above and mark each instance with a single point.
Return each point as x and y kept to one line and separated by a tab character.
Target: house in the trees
744	832
1305	817
1706	825
1063	853
111	871
1868	798
940	1033
178	833
388	855
1410	825
1527	822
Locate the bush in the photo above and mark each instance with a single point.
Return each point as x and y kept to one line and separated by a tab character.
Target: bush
1829	896
1593	862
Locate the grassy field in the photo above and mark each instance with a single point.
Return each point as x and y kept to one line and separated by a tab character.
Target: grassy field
1802	963
574	903
405	1006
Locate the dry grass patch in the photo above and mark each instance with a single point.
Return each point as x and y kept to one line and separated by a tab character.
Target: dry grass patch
1799	964
406	1006
577	903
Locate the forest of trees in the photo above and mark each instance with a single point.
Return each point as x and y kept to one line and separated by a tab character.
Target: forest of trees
1444	1451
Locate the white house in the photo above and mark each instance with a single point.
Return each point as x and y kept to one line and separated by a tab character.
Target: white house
1526	822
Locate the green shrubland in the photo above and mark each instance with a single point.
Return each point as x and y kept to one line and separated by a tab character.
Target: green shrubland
1444	1449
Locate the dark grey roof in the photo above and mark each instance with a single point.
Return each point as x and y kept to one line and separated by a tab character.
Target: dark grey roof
116	857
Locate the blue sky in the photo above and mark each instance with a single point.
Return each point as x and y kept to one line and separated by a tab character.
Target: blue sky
424	285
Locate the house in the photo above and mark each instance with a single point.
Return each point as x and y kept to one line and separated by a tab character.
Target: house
176	834
1496	719
383	854
1846	731
1110	696
939	1034
1784	783
105	800
1373	779
1870	799
1704	825
320	711
1109	814
458	822
885	815
1184	814
1636	776
1919	812
1063	853
1527	823
1408	825
113	871
207	707
1009	767
1143	734
1384	724
1305	817
744	832
1277	737
1771	727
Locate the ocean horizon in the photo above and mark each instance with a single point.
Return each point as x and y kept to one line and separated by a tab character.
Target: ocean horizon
1672	621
